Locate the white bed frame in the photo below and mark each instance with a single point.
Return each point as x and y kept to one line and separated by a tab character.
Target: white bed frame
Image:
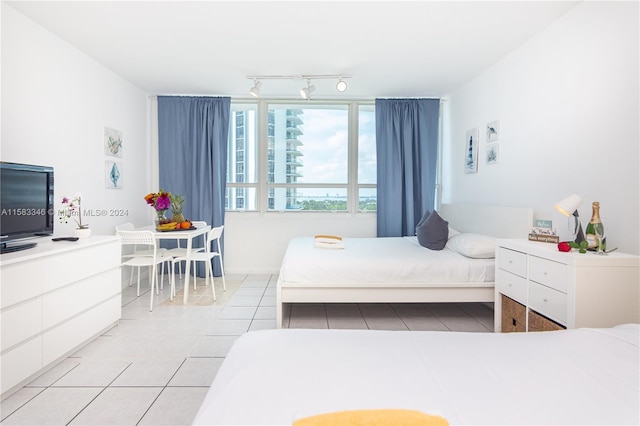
497	221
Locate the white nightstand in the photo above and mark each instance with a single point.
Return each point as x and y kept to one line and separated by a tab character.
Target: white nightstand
540	288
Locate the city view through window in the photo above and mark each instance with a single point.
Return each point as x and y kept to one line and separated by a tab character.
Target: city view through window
308	158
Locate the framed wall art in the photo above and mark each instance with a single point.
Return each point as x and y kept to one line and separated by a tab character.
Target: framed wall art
492	153
493	131
112	142
113	174
471	151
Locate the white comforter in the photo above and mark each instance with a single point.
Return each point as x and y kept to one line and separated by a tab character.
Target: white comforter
380	260
584	376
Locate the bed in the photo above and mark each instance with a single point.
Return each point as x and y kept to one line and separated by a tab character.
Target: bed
578	376
398	269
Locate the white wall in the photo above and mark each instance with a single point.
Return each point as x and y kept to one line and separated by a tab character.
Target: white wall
256	243
568	105
56	102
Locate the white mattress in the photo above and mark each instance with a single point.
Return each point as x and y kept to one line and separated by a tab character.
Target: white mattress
584	376
371	261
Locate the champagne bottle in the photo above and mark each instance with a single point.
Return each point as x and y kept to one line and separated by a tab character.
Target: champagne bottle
590	234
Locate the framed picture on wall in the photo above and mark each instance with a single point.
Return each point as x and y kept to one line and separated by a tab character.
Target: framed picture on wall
112	142
492	153
113	174
471	151
493	131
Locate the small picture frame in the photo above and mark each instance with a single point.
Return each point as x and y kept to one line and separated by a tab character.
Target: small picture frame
492	153
471	151
112	142
493	131
113	174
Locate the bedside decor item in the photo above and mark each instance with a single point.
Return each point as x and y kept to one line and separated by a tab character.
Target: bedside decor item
160	202
591	236
73	210
569	207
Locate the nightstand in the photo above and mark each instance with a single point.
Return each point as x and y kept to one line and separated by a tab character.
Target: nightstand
539	288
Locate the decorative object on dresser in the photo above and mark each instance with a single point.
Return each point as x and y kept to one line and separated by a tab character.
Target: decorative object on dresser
594	229
569	207
72	209
544	232
549	289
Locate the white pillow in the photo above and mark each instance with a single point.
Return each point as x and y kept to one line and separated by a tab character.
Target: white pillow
452	232
476	246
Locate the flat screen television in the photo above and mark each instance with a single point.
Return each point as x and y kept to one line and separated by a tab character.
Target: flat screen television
26	205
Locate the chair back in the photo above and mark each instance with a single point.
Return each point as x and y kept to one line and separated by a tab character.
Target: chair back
125	227
138	238
214	236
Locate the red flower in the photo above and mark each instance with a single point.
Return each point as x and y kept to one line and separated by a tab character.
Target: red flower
564	246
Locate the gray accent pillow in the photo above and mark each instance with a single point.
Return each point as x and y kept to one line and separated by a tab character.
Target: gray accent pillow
434	232
424	217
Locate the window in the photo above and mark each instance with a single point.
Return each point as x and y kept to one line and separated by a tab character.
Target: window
311	156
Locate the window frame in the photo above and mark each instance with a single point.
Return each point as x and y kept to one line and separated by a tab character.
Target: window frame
263	187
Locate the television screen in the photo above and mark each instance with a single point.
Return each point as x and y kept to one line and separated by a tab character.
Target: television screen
26	203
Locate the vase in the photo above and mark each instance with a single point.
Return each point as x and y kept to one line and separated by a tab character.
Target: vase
82	232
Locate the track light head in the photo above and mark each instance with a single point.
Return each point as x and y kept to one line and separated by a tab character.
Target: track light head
305	92
341	85
255	90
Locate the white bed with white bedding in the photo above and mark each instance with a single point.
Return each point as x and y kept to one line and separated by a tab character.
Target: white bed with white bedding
398	269
578	377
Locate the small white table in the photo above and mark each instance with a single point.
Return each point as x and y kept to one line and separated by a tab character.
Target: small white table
189	235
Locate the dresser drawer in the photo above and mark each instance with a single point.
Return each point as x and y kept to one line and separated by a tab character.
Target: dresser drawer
511	285
512	261
549	273
549	302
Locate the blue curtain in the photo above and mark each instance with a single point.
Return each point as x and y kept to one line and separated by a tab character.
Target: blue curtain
407	150
193	137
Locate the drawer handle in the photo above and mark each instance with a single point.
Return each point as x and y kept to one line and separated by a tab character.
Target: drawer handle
545	273
511	261
544	300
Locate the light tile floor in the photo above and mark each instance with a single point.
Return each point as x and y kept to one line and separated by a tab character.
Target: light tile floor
155	368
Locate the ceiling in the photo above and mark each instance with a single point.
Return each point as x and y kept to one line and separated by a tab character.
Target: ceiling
389	48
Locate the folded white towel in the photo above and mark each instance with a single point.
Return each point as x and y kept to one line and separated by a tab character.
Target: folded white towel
328	241
330	245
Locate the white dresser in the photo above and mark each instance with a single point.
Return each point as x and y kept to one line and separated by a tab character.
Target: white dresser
55	298
540	288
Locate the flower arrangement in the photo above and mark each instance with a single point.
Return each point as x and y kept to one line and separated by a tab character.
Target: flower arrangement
72	210
160	201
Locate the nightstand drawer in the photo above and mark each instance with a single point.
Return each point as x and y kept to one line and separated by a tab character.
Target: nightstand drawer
512	285
549	273
512	261
548	302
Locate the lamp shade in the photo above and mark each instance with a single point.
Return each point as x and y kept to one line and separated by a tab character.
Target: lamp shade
569	204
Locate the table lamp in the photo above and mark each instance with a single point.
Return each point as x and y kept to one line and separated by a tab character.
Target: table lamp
569	207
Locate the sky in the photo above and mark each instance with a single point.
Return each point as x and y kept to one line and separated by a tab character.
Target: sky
325	146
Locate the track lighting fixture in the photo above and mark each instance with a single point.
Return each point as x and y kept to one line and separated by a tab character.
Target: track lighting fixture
255	90
305	92
341	86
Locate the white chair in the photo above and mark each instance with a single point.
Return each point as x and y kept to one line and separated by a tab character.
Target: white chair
212	250
135	251
157	257
182	251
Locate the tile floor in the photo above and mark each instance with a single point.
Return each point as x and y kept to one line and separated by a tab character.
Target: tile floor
155	368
